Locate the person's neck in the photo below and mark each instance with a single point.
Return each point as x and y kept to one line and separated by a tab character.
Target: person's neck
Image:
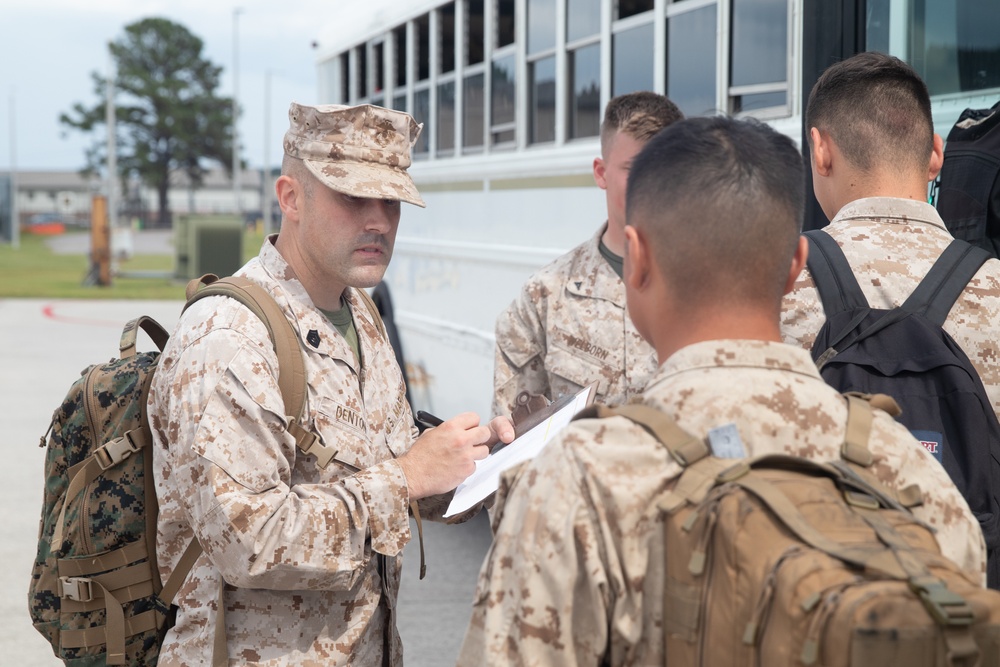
614	239
731	324
861	186
325	297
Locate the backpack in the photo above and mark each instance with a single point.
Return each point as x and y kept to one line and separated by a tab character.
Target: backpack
778	560
968	197
904	352
95	590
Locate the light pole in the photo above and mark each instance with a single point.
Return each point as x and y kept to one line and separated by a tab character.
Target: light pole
237	176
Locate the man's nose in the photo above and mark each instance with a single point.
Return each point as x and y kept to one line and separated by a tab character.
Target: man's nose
378	216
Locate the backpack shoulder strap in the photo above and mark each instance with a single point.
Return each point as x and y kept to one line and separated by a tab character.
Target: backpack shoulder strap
838	288
291	367
373	310
945	282
685	448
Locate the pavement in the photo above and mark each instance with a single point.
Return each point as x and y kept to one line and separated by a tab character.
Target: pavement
44	346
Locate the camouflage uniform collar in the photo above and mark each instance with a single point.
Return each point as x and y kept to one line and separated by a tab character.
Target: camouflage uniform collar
591	276
891	210
737	354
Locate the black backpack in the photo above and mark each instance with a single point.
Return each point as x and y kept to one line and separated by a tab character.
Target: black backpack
969	185
904	352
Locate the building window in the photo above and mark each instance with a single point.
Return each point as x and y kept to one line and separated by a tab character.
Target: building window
628	8
543	100
632	60
502	99
585	105
475	32
691	60
583	19
423	29
378	68
758	59
399	101
474	111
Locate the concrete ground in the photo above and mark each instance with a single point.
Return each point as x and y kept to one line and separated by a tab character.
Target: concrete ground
44	345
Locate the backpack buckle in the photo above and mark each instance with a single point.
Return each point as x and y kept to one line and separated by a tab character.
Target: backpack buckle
946	607
75	588
116	450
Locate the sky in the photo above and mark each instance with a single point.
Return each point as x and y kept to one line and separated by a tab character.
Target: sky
49	48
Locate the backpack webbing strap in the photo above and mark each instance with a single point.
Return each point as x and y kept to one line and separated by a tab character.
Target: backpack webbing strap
859	426
784	509
685	448
366	298
835	281
126	345
945	282
291	367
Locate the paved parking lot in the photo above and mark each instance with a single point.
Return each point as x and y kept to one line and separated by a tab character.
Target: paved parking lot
43	347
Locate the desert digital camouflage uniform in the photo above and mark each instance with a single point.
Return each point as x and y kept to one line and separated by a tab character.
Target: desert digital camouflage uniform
296	544
891	244
568	328
575	574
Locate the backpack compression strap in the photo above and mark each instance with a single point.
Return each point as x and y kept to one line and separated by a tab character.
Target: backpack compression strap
945	282
838	288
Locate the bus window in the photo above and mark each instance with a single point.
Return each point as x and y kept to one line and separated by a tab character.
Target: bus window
691	60
952	44
585	106
632	60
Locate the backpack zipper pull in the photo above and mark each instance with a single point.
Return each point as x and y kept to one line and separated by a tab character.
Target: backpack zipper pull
44	439
697	563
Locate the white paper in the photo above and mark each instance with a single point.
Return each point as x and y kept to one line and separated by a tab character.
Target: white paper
486	479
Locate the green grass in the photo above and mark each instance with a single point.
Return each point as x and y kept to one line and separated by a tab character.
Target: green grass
34	271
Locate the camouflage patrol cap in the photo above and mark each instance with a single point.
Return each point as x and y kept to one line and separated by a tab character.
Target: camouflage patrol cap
362	151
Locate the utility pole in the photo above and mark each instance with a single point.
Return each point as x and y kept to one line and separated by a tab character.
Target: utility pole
15	213
266	171
237	176
110	118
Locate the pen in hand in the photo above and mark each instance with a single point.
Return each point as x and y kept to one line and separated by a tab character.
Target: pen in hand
428	419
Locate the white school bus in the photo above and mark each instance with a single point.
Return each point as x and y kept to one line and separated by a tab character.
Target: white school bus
511	92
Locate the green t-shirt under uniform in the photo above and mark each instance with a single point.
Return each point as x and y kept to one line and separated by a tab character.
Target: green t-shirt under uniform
343	320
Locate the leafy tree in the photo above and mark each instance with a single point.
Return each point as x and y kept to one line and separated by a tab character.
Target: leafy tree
167	113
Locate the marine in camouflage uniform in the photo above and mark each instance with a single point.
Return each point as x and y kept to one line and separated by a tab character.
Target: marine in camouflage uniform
309	554
569	327
575	573
891	244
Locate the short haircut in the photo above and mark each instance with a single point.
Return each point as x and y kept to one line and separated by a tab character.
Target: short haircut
877	110
720	202
640	115
296	168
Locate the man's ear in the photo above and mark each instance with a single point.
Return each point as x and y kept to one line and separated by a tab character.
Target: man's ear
637	259
820	153
937	158
798	263
599	173
287	190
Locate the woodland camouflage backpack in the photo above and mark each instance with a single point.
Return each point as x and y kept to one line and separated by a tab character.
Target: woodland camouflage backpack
777	560
95	589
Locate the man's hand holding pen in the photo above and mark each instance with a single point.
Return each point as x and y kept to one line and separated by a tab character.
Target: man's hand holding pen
445	454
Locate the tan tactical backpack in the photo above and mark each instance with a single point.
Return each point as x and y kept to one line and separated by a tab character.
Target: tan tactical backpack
778	560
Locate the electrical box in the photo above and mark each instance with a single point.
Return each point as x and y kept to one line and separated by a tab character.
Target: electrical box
208	244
